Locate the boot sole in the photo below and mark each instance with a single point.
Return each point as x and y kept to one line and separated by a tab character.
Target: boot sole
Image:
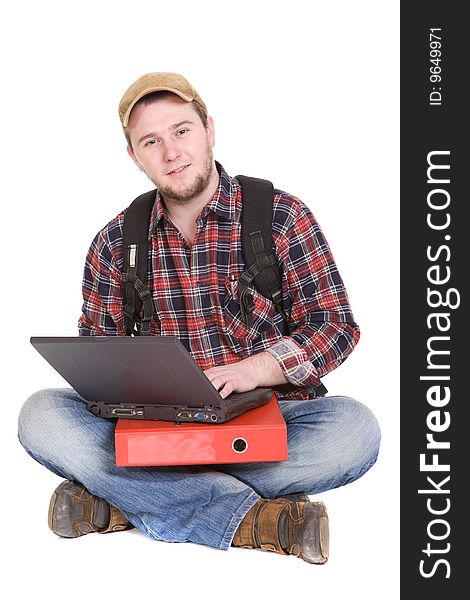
50	519
51	514
323	535
58	514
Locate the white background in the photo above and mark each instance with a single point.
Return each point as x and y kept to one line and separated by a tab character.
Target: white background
303	93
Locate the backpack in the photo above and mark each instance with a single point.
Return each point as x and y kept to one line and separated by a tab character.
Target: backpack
262	266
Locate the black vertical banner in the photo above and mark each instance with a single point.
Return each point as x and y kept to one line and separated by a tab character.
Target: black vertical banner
435	329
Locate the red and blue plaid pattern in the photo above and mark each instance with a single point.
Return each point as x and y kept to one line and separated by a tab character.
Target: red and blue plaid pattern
195	290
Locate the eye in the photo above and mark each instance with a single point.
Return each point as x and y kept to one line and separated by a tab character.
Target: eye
150	142
181	132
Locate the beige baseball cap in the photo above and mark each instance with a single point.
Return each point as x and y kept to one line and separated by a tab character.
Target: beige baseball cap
156	82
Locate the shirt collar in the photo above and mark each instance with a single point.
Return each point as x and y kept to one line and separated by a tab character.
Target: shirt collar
223	202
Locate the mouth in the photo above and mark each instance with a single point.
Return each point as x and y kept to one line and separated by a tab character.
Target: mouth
177	170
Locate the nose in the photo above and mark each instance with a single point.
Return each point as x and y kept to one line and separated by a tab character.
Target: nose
170	151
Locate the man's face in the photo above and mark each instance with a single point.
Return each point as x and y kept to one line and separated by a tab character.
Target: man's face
172	146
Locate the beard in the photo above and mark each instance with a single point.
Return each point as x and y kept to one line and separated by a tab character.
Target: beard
194	189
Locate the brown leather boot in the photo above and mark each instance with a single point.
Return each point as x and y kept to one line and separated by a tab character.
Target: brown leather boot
74	511
286	525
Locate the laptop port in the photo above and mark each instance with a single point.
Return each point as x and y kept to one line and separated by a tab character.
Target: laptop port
184	415
213	417
124	412
200	416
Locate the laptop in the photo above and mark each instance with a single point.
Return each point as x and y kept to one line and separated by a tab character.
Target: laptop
150	377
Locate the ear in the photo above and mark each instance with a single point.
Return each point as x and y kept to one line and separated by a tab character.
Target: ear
134	158
211	131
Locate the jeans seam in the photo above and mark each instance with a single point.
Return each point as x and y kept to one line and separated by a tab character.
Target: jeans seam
236	519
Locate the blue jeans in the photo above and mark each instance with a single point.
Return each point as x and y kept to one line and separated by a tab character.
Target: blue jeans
331	442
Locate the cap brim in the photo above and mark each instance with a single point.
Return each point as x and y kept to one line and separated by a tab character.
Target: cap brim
150	90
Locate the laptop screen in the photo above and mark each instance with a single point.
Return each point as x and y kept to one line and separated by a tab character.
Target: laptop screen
128	370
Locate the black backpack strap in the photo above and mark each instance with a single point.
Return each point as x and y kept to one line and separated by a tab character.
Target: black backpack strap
262	265
134	272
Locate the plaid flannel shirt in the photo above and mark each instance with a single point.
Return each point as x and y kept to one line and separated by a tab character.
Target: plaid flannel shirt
195	290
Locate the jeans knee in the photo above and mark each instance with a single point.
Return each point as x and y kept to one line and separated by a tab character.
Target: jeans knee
45	415
365	433
30	414
375	431
55	427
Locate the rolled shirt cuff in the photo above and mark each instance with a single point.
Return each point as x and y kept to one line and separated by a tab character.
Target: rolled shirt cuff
294	362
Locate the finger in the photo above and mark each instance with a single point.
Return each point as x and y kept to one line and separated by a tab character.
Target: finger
218	381
214	372
215	383
210	376
226	390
